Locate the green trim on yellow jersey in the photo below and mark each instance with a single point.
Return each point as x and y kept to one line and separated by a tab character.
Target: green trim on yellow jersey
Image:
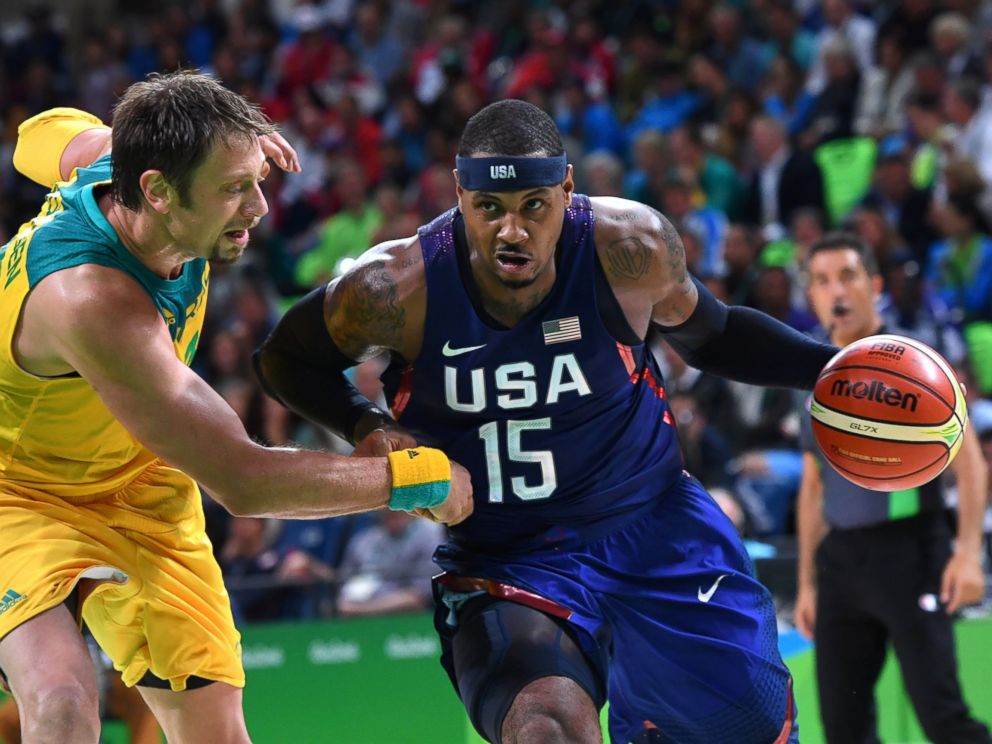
71	231
57	438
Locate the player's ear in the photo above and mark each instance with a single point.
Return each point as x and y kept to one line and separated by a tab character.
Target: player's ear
568	185
458	189
156	190
877	284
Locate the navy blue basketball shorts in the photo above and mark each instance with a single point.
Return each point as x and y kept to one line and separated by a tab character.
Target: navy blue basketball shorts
664	615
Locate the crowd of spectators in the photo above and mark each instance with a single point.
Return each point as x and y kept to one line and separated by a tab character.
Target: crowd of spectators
754	126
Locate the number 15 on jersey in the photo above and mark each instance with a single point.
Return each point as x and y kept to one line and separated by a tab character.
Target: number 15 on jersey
490	436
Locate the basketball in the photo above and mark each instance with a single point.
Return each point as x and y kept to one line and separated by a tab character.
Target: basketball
888	413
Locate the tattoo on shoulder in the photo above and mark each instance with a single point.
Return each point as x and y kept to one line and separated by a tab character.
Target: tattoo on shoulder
673	310
676	252
371	301
628	257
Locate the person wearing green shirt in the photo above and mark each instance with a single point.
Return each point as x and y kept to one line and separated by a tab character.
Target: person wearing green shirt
346	234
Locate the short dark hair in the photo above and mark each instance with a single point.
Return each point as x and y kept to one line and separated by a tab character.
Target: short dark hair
170	122
836	241
511	127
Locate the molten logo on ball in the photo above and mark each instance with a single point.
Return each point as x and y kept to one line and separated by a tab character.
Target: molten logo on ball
877	391
888	413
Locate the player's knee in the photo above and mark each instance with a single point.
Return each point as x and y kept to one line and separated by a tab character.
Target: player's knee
62	711
551	710
546	729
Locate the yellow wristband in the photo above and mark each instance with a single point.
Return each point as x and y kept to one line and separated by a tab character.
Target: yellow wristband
421	478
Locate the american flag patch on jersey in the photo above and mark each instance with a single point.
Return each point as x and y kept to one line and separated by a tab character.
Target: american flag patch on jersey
561	330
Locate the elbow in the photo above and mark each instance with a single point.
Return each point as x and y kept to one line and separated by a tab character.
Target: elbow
237	501
265	361
240	505
236	507
249	481
20	161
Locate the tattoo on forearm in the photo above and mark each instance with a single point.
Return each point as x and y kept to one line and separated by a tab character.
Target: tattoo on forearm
628	257
370	301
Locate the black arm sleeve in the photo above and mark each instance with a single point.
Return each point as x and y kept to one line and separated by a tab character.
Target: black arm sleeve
301	367
746	345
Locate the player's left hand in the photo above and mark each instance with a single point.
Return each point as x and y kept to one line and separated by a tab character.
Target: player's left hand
280	151
963	581
380	442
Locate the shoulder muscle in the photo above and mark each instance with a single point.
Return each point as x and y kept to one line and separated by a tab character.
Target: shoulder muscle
644	259
380	303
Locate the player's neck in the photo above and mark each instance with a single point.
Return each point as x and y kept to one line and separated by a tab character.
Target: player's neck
509	305
149	242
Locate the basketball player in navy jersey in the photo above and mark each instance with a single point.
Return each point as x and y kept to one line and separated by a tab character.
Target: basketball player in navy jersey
593	566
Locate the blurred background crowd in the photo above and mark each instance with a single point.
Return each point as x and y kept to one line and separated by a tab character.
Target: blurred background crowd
754	126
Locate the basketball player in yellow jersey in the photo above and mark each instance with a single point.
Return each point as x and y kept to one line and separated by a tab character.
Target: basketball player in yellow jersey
101	302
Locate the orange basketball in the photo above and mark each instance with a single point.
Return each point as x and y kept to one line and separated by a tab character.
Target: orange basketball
888	413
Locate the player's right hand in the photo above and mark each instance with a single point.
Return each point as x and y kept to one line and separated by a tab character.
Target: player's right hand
458	506
805	612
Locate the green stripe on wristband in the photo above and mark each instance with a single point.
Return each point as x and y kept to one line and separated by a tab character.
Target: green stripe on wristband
424	496
421	478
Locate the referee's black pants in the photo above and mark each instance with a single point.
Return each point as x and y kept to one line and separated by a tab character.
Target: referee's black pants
877	585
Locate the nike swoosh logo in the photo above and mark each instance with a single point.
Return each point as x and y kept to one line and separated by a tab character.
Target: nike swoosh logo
450	351
708	594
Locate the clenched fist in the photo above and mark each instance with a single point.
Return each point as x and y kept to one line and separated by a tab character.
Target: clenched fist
458	506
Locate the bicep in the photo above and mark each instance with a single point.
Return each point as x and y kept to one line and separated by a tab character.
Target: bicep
677	292
377	307
129	360
644	260
166	406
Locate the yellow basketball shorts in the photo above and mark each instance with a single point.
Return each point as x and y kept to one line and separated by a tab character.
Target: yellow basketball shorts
160	604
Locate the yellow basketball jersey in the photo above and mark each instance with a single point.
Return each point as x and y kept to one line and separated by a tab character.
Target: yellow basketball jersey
56	435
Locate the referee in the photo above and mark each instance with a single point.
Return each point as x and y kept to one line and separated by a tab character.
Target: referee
876	567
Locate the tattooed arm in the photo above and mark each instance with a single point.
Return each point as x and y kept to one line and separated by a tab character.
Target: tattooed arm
378	306
645	263
642	255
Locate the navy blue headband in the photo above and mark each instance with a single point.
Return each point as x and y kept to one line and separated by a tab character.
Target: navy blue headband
505	173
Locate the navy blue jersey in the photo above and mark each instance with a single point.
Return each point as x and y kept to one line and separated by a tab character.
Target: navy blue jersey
565	430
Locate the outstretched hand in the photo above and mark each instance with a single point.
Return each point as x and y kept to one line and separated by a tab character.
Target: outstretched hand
280	151
459	504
